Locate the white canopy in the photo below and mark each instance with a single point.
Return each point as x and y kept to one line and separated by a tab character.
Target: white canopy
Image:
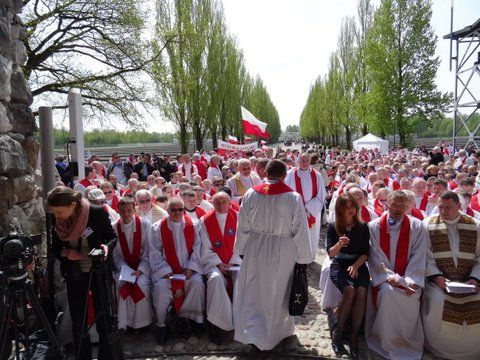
369	142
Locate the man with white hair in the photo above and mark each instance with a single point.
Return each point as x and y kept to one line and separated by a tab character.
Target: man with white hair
214	169
175	249
422	201
462	159
146	209
309	184
243	180
187	168
217	230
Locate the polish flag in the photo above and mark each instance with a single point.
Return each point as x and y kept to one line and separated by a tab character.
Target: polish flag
232	139
248	139
253	126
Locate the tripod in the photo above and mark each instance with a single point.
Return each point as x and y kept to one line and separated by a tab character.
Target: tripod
17	292
108	312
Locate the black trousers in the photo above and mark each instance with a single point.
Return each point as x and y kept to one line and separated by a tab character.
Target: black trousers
77	298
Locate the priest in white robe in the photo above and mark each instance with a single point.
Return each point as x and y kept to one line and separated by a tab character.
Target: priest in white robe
309	184
175	250
243	180
452	321
187	168
134	306
146	209
217	231
393	327
272	235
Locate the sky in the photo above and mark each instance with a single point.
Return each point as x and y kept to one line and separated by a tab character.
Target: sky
288	43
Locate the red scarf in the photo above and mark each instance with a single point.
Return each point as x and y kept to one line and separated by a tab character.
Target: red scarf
378	207
475	202
298	187
131	258
423	203
222	244
470	212
453	185
178	286
366	217
401	258
396	186
276	188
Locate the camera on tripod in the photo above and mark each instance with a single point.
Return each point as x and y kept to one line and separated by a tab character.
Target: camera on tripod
16	253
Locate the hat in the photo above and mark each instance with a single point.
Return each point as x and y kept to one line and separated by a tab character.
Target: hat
96	194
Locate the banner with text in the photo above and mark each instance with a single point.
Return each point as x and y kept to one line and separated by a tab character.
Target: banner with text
236	147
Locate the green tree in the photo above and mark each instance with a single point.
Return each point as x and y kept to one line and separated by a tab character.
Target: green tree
400	56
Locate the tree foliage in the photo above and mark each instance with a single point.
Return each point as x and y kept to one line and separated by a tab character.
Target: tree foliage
381	78
201	77
94	46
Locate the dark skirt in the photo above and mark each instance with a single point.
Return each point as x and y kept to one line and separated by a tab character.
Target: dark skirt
340	277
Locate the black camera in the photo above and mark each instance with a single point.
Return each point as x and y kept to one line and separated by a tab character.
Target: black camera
16	252
97	256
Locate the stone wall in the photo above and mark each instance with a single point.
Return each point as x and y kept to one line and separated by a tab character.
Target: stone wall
21	206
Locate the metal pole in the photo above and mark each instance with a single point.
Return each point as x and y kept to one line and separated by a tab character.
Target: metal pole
76	132
48	178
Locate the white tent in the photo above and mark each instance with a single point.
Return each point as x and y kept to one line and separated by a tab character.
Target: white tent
369	142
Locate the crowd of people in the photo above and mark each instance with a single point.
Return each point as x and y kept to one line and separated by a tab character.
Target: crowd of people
215	237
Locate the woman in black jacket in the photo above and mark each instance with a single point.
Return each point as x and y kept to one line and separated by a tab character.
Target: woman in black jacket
79	228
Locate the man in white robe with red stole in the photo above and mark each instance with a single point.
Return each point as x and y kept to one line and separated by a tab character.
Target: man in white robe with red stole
452	321
187	168
175	250
217	229
393	327
309	184
243	180
134	306
272	235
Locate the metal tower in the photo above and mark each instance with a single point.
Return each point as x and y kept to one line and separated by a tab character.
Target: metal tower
467	82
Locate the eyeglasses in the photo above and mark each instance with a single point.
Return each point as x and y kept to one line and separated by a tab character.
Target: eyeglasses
187	195
168	191
97	202
145	201
108	192
178	210
218	184
163	182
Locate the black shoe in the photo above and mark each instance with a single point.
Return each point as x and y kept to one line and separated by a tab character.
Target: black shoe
338	349
162	335
215	334
354	353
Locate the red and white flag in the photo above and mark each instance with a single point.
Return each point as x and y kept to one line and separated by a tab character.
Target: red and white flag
253	126
248	139
232	139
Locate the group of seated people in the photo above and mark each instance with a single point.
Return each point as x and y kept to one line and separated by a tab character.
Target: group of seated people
405	264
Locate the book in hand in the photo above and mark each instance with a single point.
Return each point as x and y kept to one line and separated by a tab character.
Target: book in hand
126	274
403	283
233	268
454	287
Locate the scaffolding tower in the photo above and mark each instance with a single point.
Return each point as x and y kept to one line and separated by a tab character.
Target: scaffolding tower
467	82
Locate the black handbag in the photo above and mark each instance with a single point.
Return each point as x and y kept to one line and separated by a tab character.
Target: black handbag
299	291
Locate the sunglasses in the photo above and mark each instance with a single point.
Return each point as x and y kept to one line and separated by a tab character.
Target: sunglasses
178	210
146	201
108	192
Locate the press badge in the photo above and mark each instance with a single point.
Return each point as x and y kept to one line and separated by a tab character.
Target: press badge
88	231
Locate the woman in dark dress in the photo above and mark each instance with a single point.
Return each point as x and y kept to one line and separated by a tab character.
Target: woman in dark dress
348	246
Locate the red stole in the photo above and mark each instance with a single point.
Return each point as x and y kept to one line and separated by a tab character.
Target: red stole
386	181
452	184
222	244
365	214
114	205
470	212
474	203
423	203
416	213
178	286
198	211
401	258
85	182
395	185
378	207
298	187
276	188
131	258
